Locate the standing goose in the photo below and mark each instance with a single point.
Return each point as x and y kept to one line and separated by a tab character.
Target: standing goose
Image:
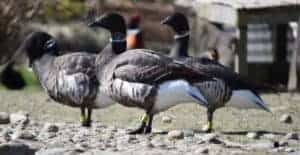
179	23
142	78
151	81
116	25
227	88
68	79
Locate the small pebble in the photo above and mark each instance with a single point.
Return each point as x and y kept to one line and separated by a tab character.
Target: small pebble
252	135
286	118
211	138
202	150
289	149
292	136
48	127
175	134
4	118
166	119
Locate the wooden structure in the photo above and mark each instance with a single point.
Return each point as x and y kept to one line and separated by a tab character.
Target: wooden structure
241	13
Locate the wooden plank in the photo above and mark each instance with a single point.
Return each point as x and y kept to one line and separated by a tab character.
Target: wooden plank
226	14
241	65
270	15
292	83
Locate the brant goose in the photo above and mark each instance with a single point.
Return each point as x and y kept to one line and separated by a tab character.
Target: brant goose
151	81
11	78
68	79
116	25
134	33
227	88
179	23
142	78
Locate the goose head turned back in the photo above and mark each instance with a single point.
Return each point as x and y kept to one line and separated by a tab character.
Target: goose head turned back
179	23
38	45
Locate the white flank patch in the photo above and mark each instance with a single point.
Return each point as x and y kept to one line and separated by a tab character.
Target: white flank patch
131	89
174	92
75	86
246	99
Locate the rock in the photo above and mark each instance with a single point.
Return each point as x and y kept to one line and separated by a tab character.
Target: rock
211	137
252	135
19	117
292	136
286	118
175	134
6	134
48	127
263	144
283	143
16	149
57	151
166	119
289	149
4	118
202	150
270	136
20	134
189	133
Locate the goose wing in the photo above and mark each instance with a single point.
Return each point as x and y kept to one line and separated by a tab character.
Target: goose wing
76	80
146	66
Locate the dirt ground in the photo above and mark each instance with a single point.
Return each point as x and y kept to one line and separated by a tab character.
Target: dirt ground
231	124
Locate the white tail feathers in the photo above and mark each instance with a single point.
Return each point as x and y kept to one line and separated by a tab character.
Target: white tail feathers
246	99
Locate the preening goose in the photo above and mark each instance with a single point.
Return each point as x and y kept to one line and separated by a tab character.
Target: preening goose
227	88
68	79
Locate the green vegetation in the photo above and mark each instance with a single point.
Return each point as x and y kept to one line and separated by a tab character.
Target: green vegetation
61	10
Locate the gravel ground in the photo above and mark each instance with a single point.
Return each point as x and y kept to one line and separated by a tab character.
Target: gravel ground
40	125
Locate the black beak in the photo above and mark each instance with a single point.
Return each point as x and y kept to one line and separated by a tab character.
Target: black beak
92	24
165	21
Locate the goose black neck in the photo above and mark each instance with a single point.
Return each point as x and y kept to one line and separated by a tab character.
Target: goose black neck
181	45
118	42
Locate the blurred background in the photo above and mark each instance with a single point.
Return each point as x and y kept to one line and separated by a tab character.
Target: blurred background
269	46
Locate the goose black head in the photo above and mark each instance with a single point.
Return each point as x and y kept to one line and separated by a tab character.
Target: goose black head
37	44
113	22
178	22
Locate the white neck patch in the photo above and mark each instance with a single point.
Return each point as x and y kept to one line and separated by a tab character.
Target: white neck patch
178	36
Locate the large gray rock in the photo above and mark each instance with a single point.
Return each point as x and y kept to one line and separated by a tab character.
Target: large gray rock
4	118
16	149
19	117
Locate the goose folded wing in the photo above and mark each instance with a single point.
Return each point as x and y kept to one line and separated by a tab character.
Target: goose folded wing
156	73
76	79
